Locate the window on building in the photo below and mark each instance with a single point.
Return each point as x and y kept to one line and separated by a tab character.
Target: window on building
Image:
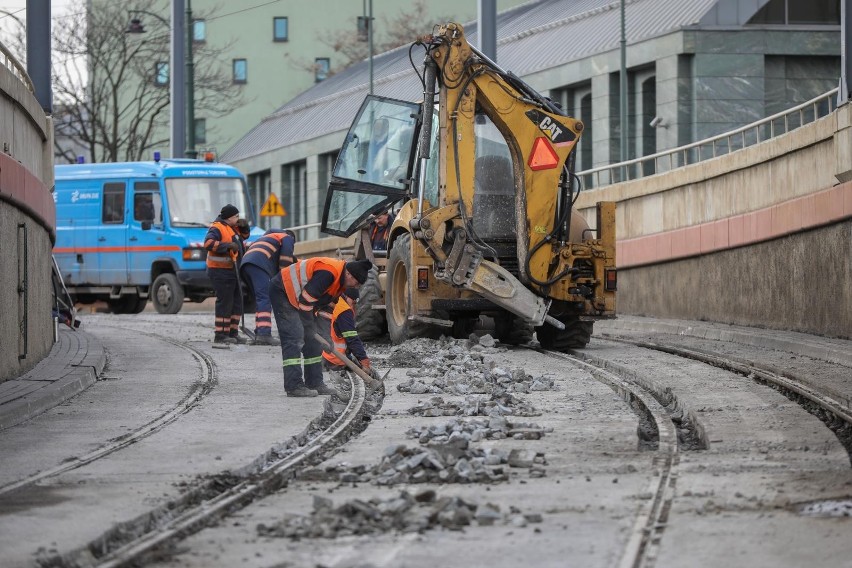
113	204
796	12
322	65
279	29
201	131
199	31
161	73
260	186
240	71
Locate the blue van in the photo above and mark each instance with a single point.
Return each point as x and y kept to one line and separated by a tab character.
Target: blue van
126	232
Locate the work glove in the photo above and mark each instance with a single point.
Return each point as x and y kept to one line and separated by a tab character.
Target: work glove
232	246
365	364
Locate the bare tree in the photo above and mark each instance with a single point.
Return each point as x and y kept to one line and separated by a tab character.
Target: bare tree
403	28
108	100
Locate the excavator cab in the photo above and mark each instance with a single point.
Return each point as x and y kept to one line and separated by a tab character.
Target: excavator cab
373	169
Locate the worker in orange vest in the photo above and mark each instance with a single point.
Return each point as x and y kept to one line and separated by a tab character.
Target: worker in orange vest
296	293
224	247
338	324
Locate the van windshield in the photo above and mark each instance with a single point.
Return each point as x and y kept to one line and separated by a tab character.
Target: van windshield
194	202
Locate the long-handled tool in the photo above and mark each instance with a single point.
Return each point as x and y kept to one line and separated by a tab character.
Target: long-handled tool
350	364
251	335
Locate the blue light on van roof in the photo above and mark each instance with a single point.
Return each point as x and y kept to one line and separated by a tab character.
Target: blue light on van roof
156	156
81	159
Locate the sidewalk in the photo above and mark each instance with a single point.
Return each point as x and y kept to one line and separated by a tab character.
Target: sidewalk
73	364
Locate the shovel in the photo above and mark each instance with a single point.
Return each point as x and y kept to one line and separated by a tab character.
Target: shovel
368	380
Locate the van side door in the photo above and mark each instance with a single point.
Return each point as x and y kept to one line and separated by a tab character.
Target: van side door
145	232
112	235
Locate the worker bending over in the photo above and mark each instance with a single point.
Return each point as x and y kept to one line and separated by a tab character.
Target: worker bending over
339	326
223	248
296	293
264	258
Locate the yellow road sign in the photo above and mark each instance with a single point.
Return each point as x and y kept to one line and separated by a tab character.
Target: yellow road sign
272	207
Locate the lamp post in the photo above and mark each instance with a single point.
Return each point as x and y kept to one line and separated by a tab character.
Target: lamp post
181	85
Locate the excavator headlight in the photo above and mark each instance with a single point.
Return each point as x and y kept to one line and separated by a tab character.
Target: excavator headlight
543	156
422	278
610	280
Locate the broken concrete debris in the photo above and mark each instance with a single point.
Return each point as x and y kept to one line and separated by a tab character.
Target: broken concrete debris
477	429
404	513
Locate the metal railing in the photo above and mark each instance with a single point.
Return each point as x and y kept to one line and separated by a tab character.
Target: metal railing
713	147
18	70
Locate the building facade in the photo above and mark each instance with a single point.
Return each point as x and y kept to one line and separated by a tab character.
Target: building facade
694	69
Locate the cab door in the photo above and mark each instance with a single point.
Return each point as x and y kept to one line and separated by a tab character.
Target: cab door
111	243
145	241
373	169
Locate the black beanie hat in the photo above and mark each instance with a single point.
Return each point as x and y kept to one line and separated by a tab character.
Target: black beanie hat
228	211
359	269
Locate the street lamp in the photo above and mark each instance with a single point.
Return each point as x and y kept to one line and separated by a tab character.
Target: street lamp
183	125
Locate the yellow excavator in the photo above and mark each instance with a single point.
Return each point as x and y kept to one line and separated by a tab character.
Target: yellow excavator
480	177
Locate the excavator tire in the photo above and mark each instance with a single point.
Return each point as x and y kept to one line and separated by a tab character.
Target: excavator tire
512	330
576	335
370	322
400	328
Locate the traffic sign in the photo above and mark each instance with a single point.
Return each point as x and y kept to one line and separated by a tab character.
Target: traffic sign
272	207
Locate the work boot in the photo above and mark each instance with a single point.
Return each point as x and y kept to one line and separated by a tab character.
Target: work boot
265	340
237	339
302	391
325	389
222	338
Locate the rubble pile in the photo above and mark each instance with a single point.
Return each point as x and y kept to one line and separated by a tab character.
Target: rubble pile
475	405
404	513
458	367
450	462
477	429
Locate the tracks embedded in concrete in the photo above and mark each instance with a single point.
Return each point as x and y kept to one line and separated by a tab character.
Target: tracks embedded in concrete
646	533
834	409
200	388
133	541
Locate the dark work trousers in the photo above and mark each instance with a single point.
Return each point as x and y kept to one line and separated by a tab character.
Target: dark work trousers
296	328
259	280
229	303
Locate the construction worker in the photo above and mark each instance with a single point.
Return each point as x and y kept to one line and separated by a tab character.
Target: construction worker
296	293
263	259
379	228
223	249
339	325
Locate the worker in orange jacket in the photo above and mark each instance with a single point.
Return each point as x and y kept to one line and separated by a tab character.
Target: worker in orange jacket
263	259
296	293
224	247
338	324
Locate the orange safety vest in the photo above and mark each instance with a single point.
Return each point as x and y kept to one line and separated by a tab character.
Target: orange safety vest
217	259
295	276
338	342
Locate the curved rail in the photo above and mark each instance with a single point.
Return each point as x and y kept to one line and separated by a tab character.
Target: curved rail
198	515
713	147
201	388
645	536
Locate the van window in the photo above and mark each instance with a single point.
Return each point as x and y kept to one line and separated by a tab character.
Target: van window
147	203
113	204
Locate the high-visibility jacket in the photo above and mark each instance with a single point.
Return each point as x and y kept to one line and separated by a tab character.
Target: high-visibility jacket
379	237
218	236
344	335
271	252
296	276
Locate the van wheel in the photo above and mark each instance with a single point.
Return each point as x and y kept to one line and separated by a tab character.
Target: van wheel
167	294
139	307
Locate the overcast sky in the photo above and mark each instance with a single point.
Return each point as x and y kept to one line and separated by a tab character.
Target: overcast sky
17	9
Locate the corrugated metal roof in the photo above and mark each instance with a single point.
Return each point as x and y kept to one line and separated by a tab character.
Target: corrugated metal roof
531	37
